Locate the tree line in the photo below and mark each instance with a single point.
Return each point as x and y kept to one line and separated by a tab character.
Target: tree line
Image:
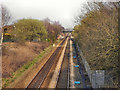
97	35
33	29
29	29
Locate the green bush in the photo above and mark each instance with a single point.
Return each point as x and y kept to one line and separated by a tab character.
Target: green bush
29	29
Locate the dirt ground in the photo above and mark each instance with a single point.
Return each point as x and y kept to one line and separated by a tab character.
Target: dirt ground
15	55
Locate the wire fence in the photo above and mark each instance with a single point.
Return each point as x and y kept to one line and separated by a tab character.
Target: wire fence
98	78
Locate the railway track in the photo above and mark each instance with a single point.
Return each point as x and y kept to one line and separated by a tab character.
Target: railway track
40	77
57	70
63	79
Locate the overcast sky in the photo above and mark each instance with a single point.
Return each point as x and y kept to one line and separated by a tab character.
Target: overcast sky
63	11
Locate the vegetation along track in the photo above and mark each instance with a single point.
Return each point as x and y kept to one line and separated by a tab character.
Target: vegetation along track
41	75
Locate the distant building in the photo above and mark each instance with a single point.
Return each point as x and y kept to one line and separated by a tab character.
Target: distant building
7	33
61	36
7	29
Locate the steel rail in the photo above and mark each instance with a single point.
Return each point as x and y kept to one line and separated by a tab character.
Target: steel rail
67	48
38	79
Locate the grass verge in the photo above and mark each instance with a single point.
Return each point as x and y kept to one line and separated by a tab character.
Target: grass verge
6	81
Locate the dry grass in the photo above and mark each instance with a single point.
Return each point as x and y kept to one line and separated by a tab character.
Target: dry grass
15	55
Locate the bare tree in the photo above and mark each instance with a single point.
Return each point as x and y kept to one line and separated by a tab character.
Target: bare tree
5	18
